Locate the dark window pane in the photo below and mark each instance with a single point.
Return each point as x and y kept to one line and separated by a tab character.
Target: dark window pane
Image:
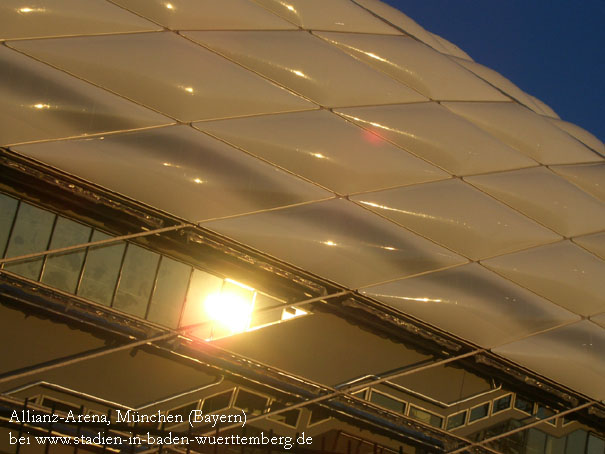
524	405
30	234
216	403
252	404
576	442
59	406
63	270
426	417
181	414
387	402
479	412
101	270
136	280
8	207
536	441
502	403
289	418
169	294
319	414
456	420
595	445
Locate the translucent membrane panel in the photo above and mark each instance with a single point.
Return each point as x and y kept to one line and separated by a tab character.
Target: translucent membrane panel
182	86
581	134
101	270
211	178
500	82
38	102
62	271
444	385
599	319
526	131
545	108
339	241
44	18
309	66
456	215
136	280
473	303
400	20
432	132
326	149
31	233
207	14
593	243
549	199
588	177
415	64
322	347
450	48
169	293
201	287
341	15
563	272
571	355
8	208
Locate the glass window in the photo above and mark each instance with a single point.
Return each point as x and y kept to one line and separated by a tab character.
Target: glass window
480	412
319	414
136	280
101	270
536	441
181	414
456	420
30	234
289	418
525	405
576	442
503	403
262	302
596	445
62	271
169	294
425	417
8	208
387	402
217	403
251	403
201	287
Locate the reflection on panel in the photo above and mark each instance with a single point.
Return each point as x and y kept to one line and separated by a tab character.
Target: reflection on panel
38	102
207	14
326	149
309	66
418	66
181	87
46	18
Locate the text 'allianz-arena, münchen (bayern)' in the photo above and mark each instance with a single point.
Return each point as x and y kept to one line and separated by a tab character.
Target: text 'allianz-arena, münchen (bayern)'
314	214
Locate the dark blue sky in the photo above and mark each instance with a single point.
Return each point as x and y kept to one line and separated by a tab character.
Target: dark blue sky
552	49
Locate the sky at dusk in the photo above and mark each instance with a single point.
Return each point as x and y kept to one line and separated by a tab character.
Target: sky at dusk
552	49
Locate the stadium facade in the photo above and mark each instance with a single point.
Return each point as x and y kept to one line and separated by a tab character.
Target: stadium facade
314	215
